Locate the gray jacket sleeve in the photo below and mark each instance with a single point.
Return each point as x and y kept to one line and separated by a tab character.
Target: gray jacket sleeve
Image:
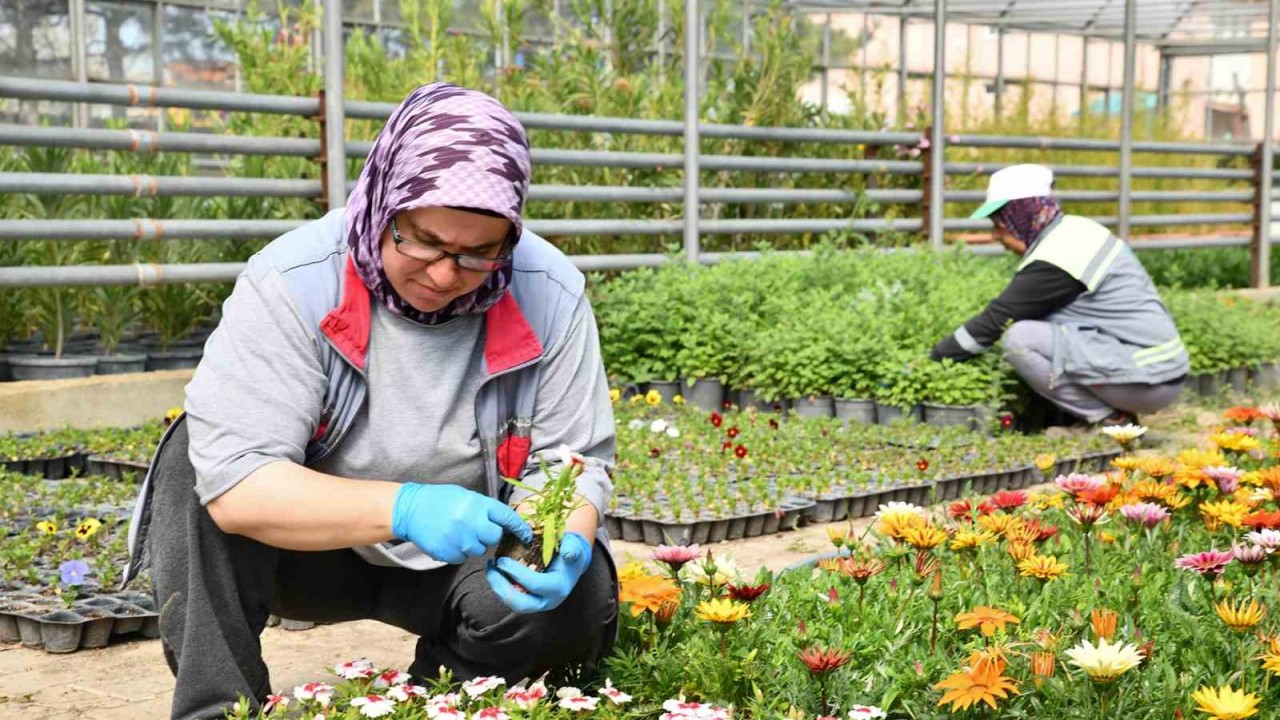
256	396
573	409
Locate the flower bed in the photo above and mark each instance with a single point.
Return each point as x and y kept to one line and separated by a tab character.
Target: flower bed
1144	593
686	476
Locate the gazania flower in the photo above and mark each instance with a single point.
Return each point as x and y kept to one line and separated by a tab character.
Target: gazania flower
1197	458
1210	563
722	612
1262	520
373	705
1236	442
1271	658
866	712
861	568
675	556
960	510
747	593
1227	478
1250	556
966	539
893	519
1226	703
1240	616
1076	483
1088	515
48	527
1266	538
1145	514
319	693
1270	478
1104	623
1157	467
837	534
648	593
924	538
1105	662
984	682
1019	550
1043	664
616	696
821	662
1023	531
481	685
1045	500
361	669
87	528
1008	499
1045	568
1223	512
1125	435
1242	414
1100	496
1126	463
987	619
998	523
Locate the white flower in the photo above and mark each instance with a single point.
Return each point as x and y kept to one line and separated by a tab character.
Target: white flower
526	698
1265	538
673	432
402	693
373	705
275	702
490	713
897	508
482	685
319	692
635	424
391	677
678	709
866	712
579	703
568	691
1124	433
658	426
319	716
355	670
726	572
444	707
615	695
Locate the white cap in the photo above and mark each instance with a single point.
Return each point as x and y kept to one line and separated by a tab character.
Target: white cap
1014	183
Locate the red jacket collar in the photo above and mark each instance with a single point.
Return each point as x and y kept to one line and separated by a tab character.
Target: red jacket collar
509	340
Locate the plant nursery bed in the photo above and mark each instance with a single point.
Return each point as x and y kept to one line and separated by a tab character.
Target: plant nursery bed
33	619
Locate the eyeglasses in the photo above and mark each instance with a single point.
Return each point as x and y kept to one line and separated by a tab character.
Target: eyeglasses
428	253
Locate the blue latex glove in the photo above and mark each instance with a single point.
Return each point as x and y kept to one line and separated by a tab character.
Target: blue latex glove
542	590
451	523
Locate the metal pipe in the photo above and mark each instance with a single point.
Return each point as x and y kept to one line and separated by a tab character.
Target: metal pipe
144	229
1126	116
1084	79
692	145
1055	143
999	84
902	70
79	59
826	63
149	96
155	185
937	155
1262	255
603	194
334	112
147	141
958	168
99	275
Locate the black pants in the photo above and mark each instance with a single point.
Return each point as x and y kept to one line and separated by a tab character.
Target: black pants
215	591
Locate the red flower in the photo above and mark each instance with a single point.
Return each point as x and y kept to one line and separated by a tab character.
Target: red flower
654	452
726	446
777	408
747	593
1045	531
716	419
986	508
1006	421
1100	495
773	423
821	662
922	465
960	510
1263	519
726	404
732	432
740	451
1008	499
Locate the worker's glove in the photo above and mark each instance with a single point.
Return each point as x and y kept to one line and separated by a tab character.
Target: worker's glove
542	591
451	523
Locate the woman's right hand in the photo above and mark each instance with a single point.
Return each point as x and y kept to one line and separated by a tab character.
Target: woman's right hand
451	523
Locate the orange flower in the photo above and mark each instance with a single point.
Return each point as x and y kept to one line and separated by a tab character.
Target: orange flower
924	538
1100	495
1157	467
1270	479
1020	551
1042	666
987	619
1241	414
1263	519
648	592
1104	623
821	662
861	569
984	682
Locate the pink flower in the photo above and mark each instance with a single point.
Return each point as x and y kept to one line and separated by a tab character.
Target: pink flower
579	703
675	556
678	709
402	693
490	713
318	692
1228	478
361	669
391	677
1077	483
444	707
373	705
866	712
1210	563
1265	538
275	702
526	698
1249	554
915	152
482	685
1147	514
616	696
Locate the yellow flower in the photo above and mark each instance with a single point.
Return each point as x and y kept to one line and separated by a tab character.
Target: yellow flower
677	400
1228	512
924	538
1042	567
984	682
614	395
632	570
1240	616
172	414
721	611
1271	658
1198	459
1045	461
1126	463
1106	537
653	397
893	520
1045	501
997	523
87	528
1105	662
637	399
1226	703
1157	467
1151	490
1191	477
966	539
837	534
987	619
48	527
1020	551
1253	478
1235	442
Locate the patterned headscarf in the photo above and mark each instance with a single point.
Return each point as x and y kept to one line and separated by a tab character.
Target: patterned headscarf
1028	217
445	146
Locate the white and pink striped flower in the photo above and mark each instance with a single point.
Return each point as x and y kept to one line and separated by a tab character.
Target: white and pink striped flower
320	693
579	703
1076	483
406	692
361	669
616	696
482	685
275	702
390	678
444	707
866	712
679	709
373	705
490	713
526	698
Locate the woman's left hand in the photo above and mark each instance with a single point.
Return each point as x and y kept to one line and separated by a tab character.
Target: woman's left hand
542	591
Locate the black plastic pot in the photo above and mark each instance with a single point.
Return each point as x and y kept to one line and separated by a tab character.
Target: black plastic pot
175	359
60	631
121	364
706	393
969	416
814	406
750	399
1266	376
886	414
1238	379
855	410
38	367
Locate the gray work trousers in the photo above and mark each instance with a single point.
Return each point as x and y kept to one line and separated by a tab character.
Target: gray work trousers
215	591
1028	347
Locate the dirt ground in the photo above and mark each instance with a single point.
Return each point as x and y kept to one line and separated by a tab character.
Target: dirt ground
130	680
